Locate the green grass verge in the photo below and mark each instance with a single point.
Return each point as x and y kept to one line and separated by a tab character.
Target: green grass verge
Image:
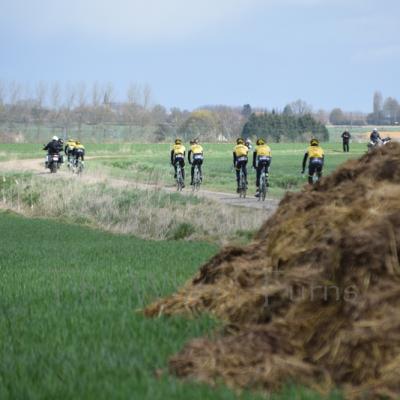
68	326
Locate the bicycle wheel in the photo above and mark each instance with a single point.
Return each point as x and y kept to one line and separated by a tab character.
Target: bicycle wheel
242	184
179	178
196	178
263	185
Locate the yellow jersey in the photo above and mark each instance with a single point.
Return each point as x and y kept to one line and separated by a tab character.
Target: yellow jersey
263	150
196	149
315	152
241	150
80	146
179	149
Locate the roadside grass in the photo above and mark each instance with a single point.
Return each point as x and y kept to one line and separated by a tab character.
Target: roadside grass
68	326
116	207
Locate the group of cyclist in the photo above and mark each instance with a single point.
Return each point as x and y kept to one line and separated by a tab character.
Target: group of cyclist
261	159
73	149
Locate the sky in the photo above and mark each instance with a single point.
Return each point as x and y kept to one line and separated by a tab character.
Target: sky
330	53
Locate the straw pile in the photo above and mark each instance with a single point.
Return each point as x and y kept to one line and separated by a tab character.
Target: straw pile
315	299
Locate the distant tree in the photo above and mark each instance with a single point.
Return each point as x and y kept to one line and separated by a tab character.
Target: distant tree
336	117
200	124
288	110
300	107
377	102
246	111
391	110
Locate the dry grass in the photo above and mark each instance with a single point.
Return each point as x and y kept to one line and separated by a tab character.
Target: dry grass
147	213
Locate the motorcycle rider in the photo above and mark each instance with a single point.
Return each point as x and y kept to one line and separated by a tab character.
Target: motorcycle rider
261	159
316	155
240	153
53	147
375	137
178	156
197	151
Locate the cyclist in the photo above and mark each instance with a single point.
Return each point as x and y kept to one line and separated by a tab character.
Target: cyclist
79	152
197	151
178	156
240	152
316	155
261	160
53	147
69	148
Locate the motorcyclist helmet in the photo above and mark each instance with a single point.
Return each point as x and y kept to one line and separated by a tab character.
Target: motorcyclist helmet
55	137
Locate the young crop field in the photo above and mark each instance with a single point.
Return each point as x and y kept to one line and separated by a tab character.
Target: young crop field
69	326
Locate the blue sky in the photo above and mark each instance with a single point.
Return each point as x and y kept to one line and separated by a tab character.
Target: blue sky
263	52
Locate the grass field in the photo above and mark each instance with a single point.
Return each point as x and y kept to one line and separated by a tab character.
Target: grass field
150	163
68	326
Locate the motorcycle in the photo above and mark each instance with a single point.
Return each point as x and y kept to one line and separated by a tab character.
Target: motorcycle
380	142
53	162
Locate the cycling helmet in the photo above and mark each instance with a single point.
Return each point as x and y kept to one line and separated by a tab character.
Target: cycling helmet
239	141
55	138
195	141
260	141
314	142
178	141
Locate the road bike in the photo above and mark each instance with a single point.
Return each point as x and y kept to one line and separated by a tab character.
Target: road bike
242	183
179	178
196	178
263	188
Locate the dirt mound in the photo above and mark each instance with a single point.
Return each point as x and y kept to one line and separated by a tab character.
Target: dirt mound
315	299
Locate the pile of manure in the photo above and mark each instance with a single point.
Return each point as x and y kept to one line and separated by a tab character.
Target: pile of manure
315	299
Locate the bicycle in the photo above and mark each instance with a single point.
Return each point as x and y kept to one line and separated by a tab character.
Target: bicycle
77	166
263	185
242	183
179	178
196	179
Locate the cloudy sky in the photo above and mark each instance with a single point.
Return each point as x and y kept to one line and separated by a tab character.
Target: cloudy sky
263	52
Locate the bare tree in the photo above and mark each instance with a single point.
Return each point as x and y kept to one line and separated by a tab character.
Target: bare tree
146	96
2	92
41	93
55	95
133	94
300	107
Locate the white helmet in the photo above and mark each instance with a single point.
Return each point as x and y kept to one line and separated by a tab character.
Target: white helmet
375	130
55	138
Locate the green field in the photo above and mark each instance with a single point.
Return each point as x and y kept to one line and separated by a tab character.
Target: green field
150	163
68	326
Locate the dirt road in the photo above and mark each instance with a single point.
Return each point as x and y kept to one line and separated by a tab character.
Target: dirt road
229	199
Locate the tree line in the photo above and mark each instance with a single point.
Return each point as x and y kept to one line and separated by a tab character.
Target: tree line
385	111
95	113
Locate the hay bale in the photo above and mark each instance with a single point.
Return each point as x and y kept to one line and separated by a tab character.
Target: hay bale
315	299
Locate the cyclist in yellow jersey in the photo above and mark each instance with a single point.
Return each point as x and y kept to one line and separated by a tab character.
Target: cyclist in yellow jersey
79	151
316	155
261	159
240	153
69	148
178	156
196	150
